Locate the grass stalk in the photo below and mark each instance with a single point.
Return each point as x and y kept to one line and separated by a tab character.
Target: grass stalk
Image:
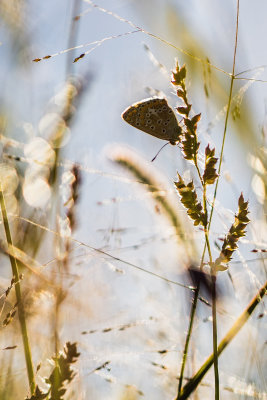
188	336
214	317
236	327
196	293
195	298
194	304
214	337
200	177
213	274
214	313
21	313
227	115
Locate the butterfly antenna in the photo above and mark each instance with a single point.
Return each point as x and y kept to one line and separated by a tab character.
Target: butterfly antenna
154	158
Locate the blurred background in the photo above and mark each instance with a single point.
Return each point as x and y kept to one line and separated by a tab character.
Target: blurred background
101	258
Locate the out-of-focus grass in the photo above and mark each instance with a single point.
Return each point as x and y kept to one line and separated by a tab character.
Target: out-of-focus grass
118	360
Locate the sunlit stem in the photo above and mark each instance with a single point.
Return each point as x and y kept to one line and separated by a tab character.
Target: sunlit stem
188	336
21	313
213	295
236	327
210	219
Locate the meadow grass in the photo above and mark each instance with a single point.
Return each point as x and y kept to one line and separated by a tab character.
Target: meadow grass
40	195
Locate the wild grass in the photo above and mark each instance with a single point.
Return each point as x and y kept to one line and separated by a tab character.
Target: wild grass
118	280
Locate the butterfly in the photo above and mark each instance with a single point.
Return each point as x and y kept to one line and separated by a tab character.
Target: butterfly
154	116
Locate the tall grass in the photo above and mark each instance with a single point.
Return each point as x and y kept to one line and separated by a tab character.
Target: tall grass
120	281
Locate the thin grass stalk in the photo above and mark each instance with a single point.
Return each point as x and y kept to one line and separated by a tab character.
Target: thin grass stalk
21	313
214	313
199	174
214	316
214	321
227	115
196	293
194	302
214	337
188	336
239	323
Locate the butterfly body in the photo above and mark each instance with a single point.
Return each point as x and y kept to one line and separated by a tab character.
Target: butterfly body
155	117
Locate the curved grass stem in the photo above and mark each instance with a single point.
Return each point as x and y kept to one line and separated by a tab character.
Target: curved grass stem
214	336
21	313
236	327
227	114
188	336
196	294
194	304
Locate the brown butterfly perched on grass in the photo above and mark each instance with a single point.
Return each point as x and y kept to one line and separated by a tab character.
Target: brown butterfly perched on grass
154	116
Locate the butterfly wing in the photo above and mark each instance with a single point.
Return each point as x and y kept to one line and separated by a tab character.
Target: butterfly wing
155	117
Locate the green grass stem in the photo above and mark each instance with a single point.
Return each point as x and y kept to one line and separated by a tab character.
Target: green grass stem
227	115
194	303
214	337
188	336
239	323
21	313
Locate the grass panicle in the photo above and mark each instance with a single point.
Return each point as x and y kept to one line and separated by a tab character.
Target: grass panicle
61	375
189	142
210	175
10	315
236	231
71	203
190	201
